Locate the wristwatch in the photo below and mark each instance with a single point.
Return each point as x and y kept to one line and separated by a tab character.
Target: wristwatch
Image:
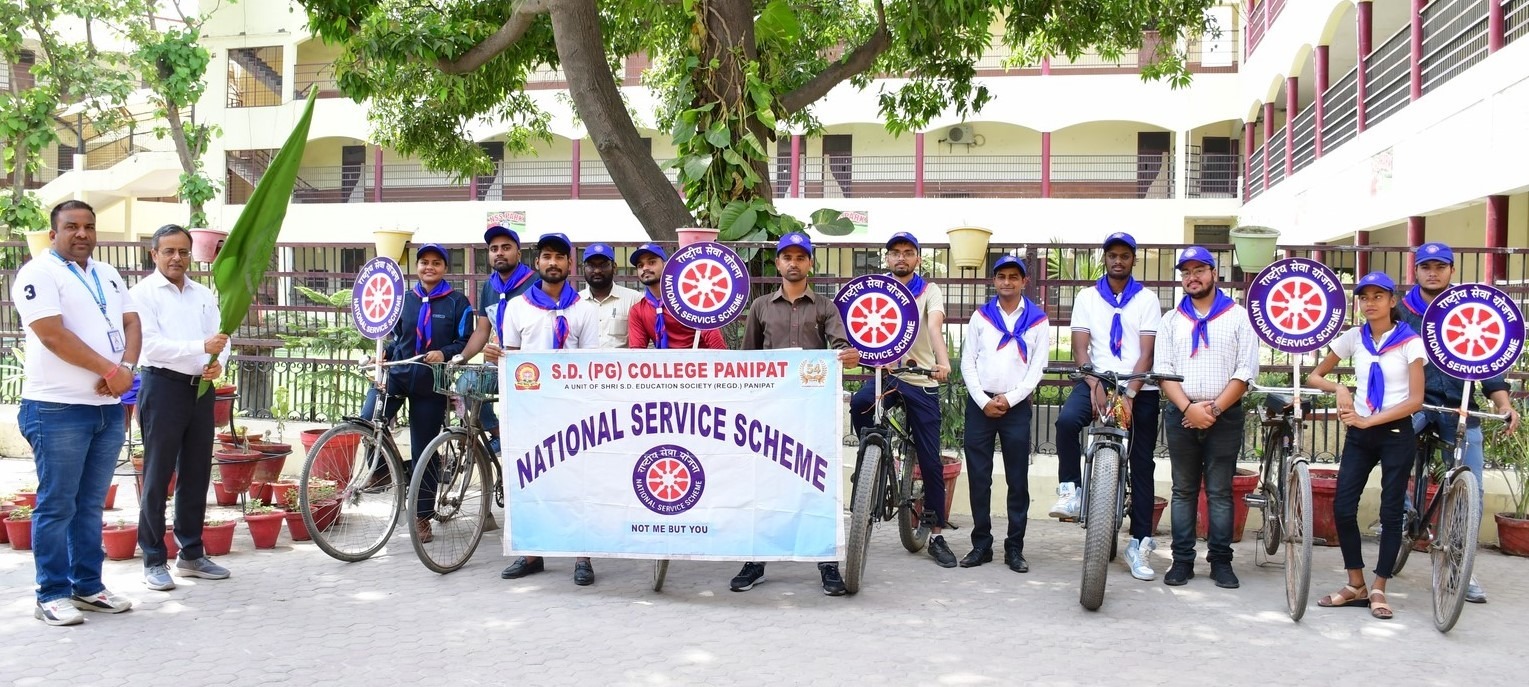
1215	410
1131	393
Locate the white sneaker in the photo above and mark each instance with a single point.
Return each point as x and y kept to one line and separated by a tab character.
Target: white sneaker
102	602
1474	593
1066	505
58	612
1139	558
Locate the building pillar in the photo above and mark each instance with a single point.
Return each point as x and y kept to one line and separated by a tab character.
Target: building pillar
1268	134
1249	130
1362	259
1045	164
1496	26
1046	62
1365	13
1417	235
1320	102
1497	237
1181	164
796	166
376	174
918	165
1292	107
1416	48
573	175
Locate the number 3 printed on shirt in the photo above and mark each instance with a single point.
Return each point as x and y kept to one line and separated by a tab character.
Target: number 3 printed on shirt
31	291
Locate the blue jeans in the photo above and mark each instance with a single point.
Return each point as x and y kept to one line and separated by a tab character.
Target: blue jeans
1209	455
922	408
1446	426
1077	413
75	449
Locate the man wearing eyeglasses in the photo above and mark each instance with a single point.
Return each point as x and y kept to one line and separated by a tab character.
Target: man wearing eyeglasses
180	332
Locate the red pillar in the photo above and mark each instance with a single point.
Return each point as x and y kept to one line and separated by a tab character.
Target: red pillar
573	185
1249	130
1322	84
376	174
796	166
1045	164
1362	260
1416	58
1417	232
1497	237
1292	105
1496	27
1268	134
1365	15
1046	61
918	165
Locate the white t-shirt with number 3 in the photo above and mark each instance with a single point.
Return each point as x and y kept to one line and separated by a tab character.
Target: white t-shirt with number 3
47	287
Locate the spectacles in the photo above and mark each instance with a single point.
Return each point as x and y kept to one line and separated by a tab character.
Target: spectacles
1196	272
903	253
175	253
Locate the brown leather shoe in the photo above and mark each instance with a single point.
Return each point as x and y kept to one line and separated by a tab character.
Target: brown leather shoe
422	527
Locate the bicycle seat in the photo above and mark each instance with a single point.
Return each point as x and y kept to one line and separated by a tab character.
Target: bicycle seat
1283	404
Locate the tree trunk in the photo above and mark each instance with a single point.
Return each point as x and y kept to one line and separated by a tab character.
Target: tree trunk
729	39
576	30
182	151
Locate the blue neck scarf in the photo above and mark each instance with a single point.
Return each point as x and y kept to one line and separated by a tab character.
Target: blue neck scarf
1030	316
660	332
1117	329
423	336
565	300
1375	388
1201	329
1414	301
503	287
917	285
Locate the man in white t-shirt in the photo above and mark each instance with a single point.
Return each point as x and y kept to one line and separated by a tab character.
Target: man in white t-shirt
82	342
613	301
548	316
1114	325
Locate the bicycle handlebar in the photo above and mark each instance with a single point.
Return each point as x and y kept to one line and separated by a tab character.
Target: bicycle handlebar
910	369
1472	413
368	362
1112	377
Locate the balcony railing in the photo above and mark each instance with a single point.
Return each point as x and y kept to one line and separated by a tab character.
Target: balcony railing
1389	72
1454	39
1212	175
1275	149
1340	118
316	74
1515	19
1255	173
1304	129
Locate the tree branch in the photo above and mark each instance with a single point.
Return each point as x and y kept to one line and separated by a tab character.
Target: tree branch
521	17
852	64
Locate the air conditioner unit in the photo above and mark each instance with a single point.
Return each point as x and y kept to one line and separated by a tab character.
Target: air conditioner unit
961	134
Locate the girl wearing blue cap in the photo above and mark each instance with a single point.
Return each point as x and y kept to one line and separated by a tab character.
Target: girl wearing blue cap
1388	364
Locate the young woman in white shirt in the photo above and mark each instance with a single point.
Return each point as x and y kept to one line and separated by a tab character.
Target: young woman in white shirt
1388	363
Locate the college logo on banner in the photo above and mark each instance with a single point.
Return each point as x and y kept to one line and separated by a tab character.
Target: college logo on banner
1473	332
668	479
1297	305
880	316
528	377
705	285
376	299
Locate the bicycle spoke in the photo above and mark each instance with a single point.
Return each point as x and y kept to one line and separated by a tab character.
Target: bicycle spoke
355	521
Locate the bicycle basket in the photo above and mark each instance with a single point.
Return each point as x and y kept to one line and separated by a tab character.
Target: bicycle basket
475	381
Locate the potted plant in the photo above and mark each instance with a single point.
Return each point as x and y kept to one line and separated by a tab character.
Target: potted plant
1254	246
27	495
1511	453
295	524
224	495
236	468
120	540
111	497
7	504
217	536
323	499
264	522
18	527
968	246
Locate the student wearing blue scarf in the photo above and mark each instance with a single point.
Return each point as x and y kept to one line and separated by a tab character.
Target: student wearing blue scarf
1388	365
508	279
437	321
1434	271
1114	327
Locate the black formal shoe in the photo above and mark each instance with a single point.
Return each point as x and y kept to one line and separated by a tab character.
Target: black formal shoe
1223	575
1180	573
583	573
1016	562
940	552
977	557
522	567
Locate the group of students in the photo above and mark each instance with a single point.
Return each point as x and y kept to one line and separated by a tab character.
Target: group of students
82	365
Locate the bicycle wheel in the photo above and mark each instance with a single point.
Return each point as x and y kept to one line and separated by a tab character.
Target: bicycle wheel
1274	481
1410	516
461	506
1100	527
862	501
1297	520
1120	498
1454	550
660	571
910	492
356	521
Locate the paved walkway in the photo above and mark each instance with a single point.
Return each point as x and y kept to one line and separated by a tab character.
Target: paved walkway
294	616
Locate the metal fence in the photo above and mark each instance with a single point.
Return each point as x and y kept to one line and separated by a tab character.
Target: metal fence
1389	70
1454	39
1340	116
1515	19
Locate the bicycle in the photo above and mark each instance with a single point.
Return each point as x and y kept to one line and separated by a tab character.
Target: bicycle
1457	507
1106	472
361	459
454	480
884	487
1284	492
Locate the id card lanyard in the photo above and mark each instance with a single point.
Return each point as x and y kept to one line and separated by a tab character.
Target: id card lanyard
98	294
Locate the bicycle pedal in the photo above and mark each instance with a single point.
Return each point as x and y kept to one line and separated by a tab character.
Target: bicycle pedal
1067	519
1255	501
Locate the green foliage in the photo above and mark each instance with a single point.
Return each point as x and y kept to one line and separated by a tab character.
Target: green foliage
174	66
20	513
343	387
953	400
1073	263
1510	452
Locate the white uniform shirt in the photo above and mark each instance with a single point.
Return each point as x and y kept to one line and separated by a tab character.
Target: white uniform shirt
47	287
1394	366
1139	316
1231	354
530	328
175	323
614	311
986	368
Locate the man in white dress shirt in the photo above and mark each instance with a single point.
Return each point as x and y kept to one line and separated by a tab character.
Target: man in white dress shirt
612	300
1007	344
180	333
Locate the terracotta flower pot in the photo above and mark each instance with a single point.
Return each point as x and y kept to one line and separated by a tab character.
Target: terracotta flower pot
217	540
268	468
1243	483
1512	535
265	528
26	498
296	527
1428	493
172	547
5	510
111	496
1158	505
236	469
325	513
280	490
20	534
225	497
120	541
223	405
951	471
335	462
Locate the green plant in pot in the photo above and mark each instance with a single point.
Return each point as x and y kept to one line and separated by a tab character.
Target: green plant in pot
1510	451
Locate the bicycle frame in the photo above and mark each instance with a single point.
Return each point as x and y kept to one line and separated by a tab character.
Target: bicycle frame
884	428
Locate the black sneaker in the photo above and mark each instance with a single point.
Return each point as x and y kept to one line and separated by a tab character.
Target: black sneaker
583	573
833	584
1223	575
940	552
1180	573
747	577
